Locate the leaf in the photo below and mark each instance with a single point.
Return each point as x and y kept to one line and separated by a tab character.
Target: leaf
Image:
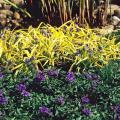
16	67
1	50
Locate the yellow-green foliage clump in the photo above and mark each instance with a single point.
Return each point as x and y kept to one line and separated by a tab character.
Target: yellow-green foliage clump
49	46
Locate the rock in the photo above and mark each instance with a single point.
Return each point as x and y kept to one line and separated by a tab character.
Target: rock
115	20
16	15
2	1
3	22
117	13
18	2
105	30
3	16
6	12
15	22
7	7
112	8
117	27
7	20
101	2
1	6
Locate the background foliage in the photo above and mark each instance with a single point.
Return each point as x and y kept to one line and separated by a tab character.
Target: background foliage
57	12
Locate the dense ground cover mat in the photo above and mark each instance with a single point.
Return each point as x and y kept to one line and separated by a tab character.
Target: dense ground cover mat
54	94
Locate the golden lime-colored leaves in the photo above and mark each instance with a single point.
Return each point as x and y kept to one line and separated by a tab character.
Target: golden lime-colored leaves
1	48
49	46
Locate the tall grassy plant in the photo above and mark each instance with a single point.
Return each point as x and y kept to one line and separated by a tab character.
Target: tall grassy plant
63	10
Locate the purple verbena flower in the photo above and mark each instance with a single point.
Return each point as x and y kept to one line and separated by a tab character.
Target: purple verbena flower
95	77
117	109
3	100
45	111
40	77
60	100
28	60
25	93
21	87
94	84
95	80
88	76
64	28
70	77
1	75
118	117
1	93
92	76
71	29
85	99
53	73
77	29
87	111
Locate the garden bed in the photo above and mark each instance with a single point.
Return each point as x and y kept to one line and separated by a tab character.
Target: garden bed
68	72
54	73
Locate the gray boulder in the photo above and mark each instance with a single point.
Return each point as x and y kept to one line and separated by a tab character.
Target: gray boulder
117	13
2	1
112	8
6	12
115	20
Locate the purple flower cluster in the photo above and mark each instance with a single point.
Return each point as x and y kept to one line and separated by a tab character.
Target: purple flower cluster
92	76
60	100
45	111
77	29
71	29
1	75
53	73
28	60
25	93
22	88
116	110
1	93
3	99
85	99
64	28
95	84
40	77
95	80
70	77
87	111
